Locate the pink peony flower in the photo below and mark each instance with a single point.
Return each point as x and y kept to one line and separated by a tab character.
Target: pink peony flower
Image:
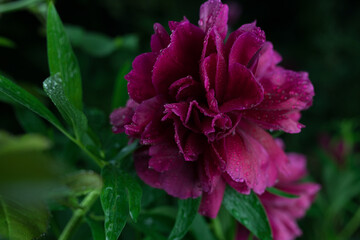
283	212
200	107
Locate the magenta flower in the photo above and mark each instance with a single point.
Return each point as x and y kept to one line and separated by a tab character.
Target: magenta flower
200	107
283	212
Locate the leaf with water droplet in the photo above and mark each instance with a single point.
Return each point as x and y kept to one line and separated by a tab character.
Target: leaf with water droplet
121	196
62	58
187	211
248	210
55	90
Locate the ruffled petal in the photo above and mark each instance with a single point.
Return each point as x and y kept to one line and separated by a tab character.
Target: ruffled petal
278	163
286	93
180	58
256	34
146	122
211	202
214	14
245	160
209	170
160	39
242	90
185	89
122	116
268	59
140	85
181	182
213	67
241	186
190	144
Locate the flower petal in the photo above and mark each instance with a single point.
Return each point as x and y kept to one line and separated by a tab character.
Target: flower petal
286	93
146	122
140	86
181	182
122	116
246	28
160	39
213	67
244	43
211	202
278	161
242	90
245	159
214	14
180	58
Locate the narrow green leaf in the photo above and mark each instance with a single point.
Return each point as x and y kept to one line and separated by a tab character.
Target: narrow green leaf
97	229
248	210
200	229
187	211
62	58
134	192
281	193
54	89
17	5
22	222
21	96
120	94
126	151
29	121
84	182
114	202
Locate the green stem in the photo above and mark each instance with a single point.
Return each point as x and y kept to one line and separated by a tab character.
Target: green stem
218	229
101	163
351	226
78	215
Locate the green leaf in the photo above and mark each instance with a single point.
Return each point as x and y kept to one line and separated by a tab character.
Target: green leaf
84	182
120	94
17	5
126	151
54	89
248	210
22	222
281	193
21	96
29	121
97	229
134	192
62	58
200	229
115	202
4	42
187	211
93	43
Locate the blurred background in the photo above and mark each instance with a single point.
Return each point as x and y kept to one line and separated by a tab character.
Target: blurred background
321	37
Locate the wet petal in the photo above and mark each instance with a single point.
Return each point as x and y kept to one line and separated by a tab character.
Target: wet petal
245	159
214	14
160	39
122	116
180	58
242	90
286	93
146	122
140	85
211	202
